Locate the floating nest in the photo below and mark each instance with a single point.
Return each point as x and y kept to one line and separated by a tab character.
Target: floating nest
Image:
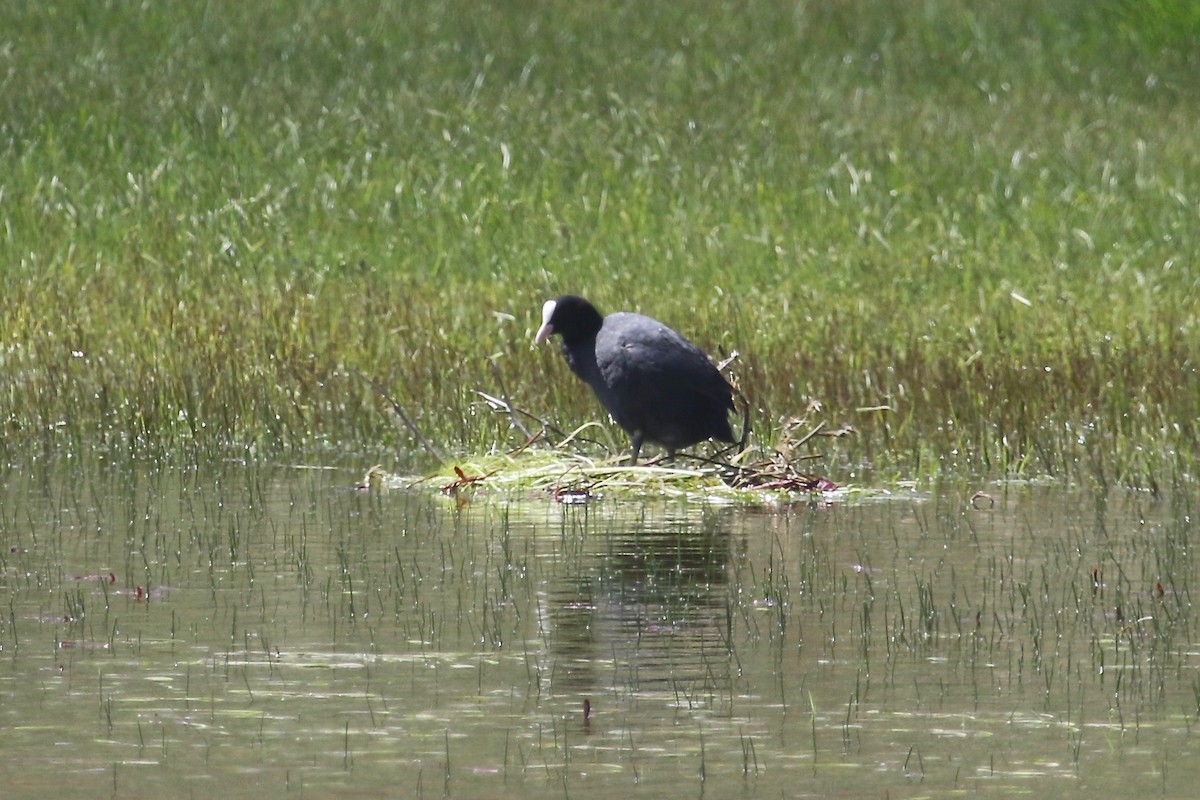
569	476
564	471
574	479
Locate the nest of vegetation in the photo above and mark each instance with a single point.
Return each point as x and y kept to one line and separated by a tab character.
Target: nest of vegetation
563	466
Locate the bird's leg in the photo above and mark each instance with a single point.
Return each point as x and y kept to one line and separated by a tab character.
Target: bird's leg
637	447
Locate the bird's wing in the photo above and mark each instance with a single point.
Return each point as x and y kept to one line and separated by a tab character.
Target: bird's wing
657	362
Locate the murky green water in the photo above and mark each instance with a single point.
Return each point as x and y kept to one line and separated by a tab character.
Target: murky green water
242	630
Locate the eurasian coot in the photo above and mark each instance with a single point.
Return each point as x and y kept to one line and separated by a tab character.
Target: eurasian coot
656	384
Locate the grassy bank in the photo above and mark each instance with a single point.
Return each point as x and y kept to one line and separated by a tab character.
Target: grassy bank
977	220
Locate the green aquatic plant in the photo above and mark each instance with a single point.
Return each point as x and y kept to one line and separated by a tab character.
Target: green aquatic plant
968	232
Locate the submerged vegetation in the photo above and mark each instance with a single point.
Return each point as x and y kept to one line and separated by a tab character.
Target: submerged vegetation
966	231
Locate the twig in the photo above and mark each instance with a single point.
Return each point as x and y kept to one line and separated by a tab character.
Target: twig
516	420
528	442
804	439
742	443
500	404
745	440
497	404
399	410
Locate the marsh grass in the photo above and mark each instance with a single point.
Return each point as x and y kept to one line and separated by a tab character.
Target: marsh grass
968	231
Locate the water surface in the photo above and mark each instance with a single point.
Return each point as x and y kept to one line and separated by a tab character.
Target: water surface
239	629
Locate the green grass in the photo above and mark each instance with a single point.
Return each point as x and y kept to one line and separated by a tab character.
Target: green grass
980	216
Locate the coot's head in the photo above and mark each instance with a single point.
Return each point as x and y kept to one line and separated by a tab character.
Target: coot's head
571	317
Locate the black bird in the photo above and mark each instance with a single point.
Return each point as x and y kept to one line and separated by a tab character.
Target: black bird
656	384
